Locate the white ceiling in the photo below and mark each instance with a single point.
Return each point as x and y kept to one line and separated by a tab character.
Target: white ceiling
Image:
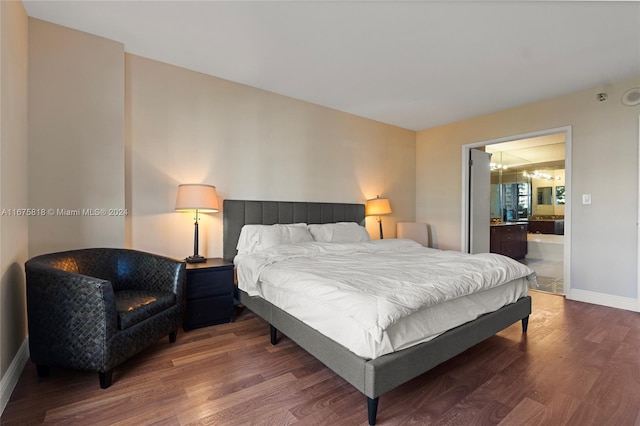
414	64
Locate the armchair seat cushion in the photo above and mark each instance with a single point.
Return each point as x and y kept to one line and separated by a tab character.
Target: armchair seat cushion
135	306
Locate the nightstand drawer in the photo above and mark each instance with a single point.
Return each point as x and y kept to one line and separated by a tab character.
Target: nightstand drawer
208	293
208	311
208	283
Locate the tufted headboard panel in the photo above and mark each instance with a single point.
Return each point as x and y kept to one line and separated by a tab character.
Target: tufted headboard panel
237	213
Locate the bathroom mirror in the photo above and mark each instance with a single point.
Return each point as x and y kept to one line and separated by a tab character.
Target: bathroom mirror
545	195
560	195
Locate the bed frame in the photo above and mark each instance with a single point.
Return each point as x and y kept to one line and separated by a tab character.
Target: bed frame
371	377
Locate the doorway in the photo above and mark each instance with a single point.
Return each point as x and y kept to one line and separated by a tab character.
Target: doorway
530	189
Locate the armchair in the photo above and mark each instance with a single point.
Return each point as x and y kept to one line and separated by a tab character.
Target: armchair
92	309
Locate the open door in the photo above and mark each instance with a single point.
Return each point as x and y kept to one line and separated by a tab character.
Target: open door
479	201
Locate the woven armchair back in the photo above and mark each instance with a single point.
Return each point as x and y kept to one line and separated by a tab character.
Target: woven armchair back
124	268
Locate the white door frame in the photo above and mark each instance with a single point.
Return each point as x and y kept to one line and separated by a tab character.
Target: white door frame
567	207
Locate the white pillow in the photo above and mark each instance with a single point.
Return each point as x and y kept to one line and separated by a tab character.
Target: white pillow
255	238
276	235
249	239
341	232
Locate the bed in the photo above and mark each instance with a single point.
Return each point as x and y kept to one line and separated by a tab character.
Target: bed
371	375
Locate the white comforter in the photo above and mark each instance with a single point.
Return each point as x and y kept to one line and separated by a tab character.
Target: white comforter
376	283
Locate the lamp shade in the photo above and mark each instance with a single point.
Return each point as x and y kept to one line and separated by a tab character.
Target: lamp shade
377	207
195	196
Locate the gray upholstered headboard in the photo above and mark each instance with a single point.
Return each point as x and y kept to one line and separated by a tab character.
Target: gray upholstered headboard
237	213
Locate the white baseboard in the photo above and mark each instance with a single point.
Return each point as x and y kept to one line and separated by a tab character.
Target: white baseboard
619	302
10	379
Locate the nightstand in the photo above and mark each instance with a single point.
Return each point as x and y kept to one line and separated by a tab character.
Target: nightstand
209	293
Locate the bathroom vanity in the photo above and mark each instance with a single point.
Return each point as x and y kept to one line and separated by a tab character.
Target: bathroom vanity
546	225
509	239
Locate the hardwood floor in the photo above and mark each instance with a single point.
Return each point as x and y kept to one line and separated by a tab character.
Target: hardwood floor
579	364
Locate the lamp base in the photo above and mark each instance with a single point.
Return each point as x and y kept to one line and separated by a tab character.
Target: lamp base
196	259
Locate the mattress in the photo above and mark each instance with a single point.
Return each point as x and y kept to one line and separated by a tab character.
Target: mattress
379	297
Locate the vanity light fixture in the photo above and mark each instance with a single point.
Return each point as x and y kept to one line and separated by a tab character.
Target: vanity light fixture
378	207
496	166
195	197
540	175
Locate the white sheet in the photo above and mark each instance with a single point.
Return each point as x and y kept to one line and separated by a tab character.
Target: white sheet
369	291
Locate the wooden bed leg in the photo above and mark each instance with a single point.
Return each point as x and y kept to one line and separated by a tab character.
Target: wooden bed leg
372	409
525	323
274	334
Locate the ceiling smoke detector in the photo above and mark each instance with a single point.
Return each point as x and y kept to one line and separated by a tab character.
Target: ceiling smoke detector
631	97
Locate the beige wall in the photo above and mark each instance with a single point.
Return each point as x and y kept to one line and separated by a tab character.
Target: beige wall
76	138
187	127
13	185
604	164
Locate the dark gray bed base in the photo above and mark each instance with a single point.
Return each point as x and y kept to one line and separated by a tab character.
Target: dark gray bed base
371	377
375	377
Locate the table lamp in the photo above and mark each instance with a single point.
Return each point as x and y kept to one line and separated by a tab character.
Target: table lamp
378	207
198	198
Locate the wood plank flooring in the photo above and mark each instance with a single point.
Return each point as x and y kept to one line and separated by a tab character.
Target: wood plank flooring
579	364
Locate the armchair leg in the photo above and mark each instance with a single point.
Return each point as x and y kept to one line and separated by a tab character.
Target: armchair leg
172	336
43	370
105	378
